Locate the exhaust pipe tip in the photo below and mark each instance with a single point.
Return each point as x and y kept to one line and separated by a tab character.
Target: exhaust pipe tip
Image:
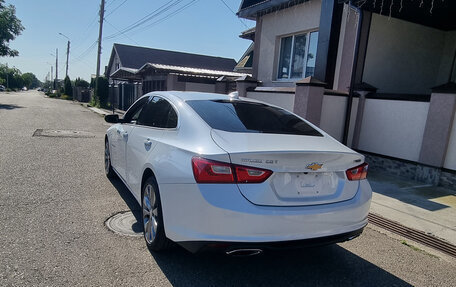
244	252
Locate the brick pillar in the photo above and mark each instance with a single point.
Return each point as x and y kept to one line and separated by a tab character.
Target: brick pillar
309	99
243	83
438	125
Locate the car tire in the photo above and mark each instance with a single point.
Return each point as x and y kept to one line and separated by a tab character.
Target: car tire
154	229
107	158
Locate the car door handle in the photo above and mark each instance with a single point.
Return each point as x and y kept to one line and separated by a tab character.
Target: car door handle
125	136
118	131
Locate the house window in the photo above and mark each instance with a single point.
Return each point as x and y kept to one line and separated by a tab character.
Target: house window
297	56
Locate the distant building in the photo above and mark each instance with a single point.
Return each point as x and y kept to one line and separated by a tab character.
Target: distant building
133	71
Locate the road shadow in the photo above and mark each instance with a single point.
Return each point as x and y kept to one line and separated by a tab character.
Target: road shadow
330	265
131	202
9	107
322	266
408	191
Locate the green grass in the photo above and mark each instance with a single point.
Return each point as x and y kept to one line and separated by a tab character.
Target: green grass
417	249
66	97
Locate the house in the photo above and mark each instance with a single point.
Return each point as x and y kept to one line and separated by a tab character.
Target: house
377	75
133	71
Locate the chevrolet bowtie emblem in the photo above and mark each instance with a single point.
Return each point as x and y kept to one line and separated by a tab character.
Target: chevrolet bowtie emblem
314	166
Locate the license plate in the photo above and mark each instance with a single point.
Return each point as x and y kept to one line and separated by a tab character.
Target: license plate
305	185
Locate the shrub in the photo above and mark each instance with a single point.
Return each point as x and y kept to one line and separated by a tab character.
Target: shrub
68	88
102	92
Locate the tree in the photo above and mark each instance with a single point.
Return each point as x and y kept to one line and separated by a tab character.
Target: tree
68	87
31	81
10	28
102	92
81	83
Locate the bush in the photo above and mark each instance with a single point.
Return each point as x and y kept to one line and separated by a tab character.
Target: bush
101	92
68	88
81	83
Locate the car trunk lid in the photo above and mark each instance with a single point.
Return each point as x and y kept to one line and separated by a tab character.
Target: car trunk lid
307	170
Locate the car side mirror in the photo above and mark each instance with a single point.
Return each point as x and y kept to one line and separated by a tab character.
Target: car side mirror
113	119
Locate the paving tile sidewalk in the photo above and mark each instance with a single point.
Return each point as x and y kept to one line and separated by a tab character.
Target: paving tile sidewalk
101	111
416	205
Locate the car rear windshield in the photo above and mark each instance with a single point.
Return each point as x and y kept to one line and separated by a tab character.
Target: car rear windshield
249	117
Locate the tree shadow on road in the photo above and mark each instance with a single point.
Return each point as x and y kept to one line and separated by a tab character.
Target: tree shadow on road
321	266
9	107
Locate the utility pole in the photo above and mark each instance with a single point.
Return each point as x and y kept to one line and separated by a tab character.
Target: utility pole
67	55
56	65
100	33
7	80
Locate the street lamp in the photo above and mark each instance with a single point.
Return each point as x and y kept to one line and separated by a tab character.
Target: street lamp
56	66
52	72
68	53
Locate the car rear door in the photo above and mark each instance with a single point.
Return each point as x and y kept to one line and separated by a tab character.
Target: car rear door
155	118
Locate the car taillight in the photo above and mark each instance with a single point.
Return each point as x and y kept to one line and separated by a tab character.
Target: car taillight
246	174
209	171
357	173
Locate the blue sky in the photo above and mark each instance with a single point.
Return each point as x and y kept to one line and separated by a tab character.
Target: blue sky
204	27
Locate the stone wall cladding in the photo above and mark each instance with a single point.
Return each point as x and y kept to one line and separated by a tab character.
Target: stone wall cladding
414	171
448	179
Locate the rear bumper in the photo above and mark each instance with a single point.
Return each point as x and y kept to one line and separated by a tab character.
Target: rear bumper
202	246
208	213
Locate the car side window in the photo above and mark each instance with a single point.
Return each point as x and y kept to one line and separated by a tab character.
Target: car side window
158	113
133	112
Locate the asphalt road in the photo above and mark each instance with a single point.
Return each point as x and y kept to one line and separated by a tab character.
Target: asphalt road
54	199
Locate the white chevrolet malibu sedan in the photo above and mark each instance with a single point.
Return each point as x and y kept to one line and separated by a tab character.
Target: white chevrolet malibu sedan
212	171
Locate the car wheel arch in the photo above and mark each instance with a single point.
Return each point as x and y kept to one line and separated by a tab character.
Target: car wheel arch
148	172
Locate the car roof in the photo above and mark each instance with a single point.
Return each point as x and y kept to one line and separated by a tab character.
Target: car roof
185	96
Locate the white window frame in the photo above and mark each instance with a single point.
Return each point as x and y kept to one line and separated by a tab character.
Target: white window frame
307	33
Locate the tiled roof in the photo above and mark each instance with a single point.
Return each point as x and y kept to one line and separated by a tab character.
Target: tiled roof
129	73
135	57
191	70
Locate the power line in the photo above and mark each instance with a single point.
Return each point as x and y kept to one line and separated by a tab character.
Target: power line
121	32
229	8
157	12
86	51
168	16
113	10
110	3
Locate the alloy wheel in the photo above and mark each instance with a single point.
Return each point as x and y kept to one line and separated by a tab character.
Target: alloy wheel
107	158
150	214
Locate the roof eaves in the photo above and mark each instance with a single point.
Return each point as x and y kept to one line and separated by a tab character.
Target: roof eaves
265	7
189	70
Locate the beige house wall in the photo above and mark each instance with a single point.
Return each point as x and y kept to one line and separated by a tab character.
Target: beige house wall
404	57
450	159
300	18
393	128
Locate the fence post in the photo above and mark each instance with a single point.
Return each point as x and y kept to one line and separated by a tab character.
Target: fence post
309	99
439	122
244	83
362	89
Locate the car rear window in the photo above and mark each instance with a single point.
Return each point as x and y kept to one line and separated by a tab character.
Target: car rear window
249	117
